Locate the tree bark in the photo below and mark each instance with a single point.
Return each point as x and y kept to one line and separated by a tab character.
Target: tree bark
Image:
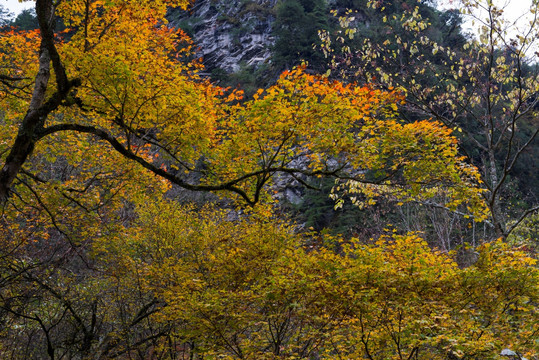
39	107
33	120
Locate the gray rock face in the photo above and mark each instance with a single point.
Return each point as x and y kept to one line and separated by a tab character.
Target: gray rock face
229	33
508	352
511	354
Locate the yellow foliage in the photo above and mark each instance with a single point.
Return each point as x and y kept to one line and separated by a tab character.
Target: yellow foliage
237	284
248	288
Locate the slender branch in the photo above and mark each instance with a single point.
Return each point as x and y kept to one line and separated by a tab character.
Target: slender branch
520	219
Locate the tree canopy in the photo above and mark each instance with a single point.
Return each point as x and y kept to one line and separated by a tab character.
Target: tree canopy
101	120
485	88
136	94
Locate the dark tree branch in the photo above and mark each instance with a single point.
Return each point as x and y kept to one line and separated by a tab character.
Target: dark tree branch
103	135
39	108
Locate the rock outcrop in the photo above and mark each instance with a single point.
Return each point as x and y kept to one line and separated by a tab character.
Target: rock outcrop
229	33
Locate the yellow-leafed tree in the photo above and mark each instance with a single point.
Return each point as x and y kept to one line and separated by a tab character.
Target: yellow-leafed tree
99	120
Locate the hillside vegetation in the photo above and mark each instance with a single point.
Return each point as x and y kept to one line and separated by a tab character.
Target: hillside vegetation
371	195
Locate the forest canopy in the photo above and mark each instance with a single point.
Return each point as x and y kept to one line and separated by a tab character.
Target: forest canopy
106	118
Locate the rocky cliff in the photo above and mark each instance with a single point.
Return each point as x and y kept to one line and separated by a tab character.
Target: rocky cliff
229	33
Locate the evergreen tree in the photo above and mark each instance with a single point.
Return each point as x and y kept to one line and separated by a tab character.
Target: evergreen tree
26	20
296	30
5	16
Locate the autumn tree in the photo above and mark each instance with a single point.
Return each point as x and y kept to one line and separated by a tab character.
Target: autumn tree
100	119
485	88
134	94
243	289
